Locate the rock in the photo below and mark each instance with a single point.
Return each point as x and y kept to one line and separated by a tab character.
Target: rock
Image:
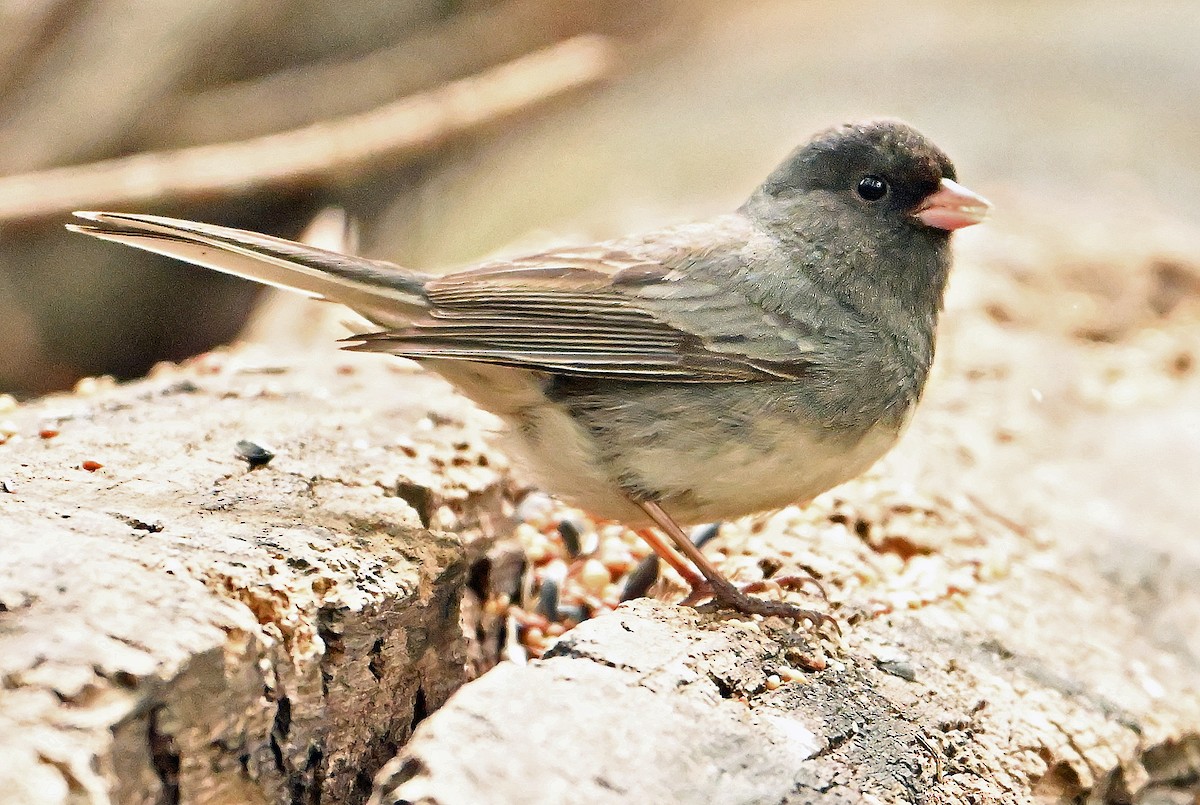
639	706
177	627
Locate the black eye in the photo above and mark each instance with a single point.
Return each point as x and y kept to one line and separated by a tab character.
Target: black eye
872	188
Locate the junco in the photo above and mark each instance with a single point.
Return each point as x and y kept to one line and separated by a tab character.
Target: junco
691	374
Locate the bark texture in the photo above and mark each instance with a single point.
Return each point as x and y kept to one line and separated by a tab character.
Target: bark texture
179	627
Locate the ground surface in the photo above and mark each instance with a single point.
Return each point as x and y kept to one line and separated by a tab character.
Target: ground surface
176	625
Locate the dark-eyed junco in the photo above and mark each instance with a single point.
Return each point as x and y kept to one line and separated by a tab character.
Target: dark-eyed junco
691	374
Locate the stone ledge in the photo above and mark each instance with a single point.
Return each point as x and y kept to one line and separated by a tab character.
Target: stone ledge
176	626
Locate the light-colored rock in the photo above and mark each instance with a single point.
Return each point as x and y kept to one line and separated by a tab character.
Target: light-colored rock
178	627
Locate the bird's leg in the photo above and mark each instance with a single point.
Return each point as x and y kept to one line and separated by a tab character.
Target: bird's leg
723	591
671	557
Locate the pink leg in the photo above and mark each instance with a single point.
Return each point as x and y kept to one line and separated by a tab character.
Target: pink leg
723	591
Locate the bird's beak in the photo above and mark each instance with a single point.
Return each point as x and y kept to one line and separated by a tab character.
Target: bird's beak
952	207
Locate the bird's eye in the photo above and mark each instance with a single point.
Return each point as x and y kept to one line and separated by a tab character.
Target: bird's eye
872	188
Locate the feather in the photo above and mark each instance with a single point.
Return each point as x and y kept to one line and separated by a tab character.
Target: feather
384	293
605	311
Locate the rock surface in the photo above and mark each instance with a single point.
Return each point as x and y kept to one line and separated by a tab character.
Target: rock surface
176	626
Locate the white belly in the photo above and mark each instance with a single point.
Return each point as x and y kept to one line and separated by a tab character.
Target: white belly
719	482
697	473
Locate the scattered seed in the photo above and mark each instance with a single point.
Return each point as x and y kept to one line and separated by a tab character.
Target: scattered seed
570	531
256	455
807	662
548	598
594	576
572	613
617	558
900	669
539	550
769	565
555	569
48	433
641	580
704	534
789	674
611	597
495	607
535	509
639	548
91	466
773	682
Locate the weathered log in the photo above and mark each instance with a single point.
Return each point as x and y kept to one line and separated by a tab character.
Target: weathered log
178	626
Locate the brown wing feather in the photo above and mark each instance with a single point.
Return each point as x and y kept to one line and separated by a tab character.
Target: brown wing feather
566	313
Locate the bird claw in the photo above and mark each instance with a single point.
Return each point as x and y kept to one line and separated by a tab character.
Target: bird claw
793	581
736	597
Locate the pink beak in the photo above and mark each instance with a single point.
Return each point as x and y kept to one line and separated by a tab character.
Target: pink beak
952	207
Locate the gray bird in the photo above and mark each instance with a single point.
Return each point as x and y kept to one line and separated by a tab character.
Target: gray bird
695	373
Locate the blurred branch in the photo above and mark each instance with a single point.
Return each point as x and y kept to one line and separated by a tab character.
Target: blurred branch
462	45
330	148
133	52
25	28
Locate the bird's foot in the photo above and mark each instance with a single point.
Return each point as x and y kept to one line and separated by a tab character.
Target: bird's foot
738	598
790	581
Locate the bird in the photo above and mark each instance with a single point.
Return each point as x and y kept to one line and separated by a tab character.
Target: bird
695	373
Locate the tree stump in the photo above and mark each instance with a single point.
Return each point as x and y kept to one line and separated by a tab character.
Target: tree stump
178	625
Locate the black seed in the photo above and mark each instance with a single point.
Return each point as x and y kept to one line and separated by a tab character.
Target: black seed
548	598
570	532
641	579
256	455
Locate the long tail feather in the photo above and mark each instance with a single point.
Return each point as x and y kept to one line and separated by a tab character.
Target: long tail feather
386	294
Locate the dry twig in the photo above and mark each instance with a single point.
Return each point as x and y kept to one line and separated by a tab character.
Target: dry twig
339	147
464	44
101	66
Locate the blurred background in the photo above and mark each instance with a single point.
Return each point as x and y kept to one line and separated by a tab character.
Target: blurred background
453	129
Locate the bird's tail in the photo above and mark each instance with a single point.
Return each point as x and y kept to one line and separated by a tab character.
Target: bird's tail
386	294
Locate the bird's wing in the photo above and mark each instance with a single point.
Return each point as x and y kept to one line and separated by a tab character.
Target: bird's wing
599	312
630	309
